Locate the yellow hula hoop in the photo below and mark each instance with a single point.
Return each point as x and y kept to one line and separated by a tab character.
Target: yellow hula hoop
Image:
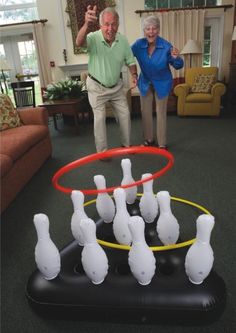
155	248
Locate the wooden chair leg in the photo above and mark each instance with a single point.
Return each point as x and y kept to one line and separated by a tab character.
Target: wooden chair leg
76	122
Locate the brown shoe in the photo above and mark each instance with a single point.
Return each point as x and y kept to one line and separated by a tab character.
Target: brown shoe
163	147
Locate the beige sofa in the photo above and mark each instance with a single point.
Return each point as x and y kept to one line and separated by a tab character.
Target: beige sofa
23	150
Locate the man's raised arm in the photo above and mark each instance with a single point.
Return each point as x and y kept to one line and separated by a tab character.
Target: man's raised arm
90	17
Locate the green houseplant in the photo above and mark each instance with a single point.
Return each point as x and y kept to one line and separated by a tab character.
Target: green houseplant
65	89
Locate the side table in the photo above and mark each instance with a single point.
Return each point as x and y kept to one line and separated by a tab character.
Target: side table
76	107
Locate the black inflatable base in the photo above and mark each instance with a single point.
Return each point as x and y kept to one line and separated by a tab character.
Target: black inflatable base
170	297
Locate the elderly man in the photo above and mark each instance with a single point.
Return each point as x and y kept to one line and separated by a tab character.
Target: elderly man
108	51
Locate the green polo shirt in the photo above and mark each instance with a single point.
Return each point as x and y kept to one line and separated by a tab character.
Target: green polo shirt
105	61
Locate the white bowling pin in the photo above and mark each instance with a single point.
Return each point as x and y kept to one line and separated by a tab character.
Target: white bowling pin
104	203
131	192
148	203
47	256
77	198
167	225
200	256
120	224
141	258
93	257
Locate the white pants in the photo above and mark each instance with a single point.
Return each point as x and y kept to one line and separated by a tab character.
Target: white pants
147	117
98	96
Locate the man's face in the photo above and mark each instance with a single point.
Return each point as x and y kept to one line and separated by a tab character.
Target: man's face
109	27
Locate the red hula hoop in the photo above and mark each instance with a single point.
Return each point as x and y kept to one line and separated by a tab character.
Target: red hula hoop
108	154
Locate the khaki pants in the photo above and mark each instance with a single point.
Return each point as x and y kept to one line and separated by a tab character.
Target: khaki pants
98	96
147	117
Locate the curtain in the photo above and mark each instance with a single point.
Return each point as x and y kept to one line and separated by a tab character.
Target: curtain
178	27
45	75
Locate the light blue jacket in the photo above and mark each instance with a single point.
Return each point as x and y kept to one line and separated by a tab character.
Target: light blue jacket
155	69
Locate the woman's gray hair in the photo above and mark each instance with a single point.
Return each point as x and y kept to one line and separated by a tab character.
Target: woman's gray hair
108	10
151	20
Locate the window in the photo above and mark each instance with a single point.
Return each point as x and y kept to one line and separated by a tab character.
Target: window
159	4
29	65
28	57
206	59
12	11
2	51
4	73
212	27
212	41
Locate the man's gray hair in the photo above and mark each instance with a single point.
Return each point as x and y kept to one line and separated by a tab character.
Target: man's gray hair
108	10
151	20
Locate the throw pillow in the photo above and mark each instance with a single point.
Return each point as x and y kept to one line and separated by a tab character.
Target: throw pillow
203	83
9	117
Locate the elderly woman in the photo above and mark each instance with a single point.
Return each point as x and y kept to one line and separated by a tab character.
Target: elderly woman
155	55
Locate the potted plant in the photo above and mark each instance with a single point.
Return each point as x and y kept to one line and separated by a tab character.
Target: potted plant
68	90
65	89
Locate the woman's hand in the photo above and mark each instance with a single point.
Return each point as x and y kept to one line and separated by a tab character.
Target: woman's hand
174	52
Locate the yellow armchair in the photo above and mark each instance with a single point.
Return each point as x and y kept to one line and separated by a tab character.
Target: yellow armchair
195	99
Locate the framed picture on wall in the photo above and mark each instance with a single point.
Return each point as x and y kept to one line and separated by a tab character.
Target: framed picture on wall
76	10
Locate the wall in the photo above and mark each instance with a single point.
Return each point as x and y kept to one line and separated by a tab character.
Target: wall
54	37
59	34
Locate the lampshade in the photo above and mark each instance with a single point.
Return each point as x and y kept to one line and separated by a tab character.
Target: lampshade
191	47
234	33
4	66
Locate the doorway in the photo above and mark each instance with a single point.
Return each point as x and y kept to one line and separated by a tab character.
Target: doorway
19	51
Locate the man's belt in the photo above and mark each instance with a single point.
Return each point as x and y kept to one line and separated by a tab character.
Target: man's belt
93	78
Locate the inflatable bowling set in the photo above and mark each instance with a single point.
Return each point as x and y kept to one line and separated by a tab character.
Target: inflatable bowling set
174	294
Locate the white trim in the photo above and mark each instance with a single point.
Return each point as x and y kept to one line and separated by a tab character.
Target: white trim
120	11
76	69
73	70
218	42
61	25
218	2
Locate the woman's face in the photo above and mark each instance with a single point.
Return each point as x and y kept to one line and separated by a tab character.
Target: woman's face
151	32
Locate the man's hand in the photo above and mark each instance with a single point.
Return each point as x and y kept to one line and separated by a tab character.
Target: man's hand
134	80
90	15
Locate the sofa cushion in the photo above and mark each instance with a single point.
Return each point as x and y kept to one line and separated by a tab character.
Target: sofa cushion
9	117
199	98
203	83
15	142
5	164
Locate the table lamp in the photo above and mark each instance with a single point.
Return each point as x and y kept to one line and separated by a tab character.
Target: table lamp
234	33
191	47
